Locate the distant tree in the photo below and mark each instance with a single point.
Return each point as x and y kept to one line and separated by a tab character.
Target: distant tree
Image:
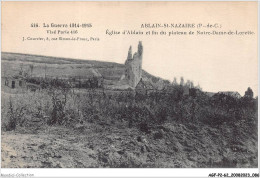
191	84
21	69
249	93
31	68
45	67
198	86
167	82
174	82
182	81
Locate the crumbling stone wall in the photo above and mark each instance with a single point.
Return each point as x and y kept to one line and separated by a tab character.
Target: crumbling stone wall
133	72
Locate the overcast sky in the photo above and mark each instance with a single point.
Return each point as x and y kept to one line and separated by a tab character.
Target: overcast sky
218	63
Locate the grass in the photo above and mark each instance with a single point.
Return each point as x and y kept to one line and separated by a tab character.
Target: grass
125	129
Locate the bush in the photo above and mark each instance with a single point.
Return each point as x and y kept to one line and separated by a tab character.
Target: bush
64	106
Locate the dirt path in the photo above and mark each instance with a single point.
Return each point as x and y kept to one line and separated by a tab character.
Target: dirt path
169	145
28	150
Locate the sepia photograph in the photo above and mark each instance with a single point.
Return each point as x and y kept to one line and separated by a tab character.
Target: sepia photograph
129	85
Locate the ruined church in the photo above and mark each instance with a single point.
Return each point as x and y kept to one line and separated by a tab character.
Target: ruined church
133	65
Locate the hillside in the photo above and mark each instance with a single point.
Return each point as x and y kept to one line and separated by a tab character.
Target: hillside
56	67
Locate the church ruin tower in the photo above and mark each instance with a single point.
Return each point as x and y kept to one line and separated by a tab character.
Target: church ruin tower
133	64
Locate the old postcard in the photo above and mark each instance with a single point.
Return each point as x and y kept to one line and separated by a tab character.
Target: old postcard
129	85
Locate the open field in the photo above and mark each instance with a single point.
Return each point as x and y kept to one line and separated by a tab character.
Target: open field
93	129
